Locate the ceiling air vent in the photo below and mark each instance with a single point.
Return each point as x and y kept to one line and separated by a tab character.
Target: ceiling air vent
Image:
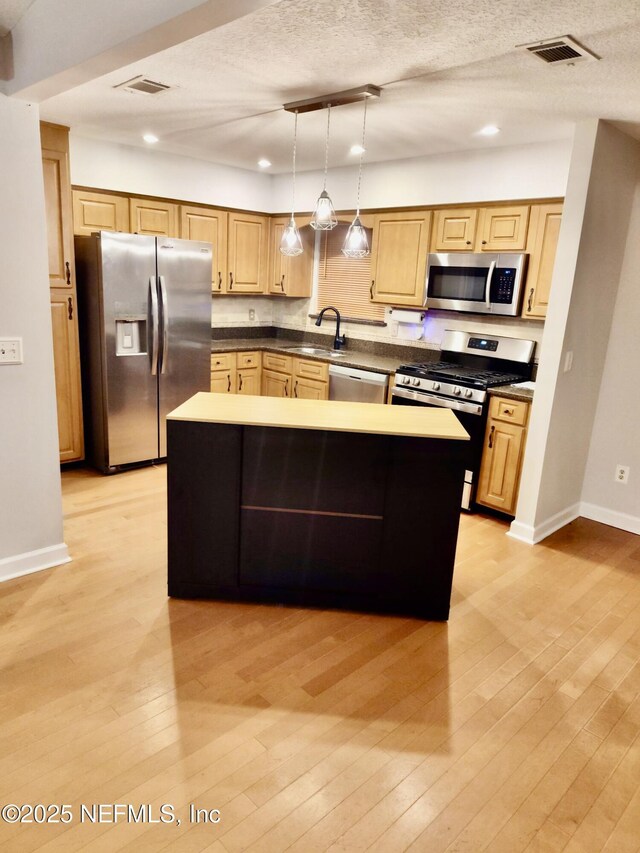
144	85
562	50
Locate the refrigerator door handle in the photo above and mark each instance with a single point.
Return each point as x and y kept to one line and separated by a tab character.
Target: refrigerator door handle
165	325
155	327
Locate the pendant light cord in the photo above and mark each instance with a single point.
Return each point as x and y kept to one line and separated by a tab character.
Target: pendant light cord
326	148
364	124
293	191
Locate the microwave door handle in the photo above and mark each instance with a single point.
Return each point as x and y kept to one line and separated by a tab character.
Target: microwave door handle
487	291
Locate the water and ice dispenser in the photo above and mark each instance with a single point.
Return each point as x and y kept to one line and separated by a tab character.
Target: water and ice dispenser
131	336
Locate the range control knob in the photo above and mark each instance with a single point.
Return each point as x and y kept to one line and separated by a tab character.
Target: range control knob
456	392
468	393
435	386
405	380
415	382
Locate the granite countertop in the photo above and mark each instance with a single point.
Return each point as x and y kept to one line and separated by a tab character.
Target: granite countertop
335	415
352	357
514	392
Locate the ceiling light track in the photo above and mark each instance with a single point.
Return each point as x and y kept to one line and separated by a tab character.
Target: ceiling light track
337	99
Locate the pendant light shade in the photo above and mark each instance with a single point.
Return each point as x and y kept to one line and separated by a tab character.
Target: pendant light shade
324	216
356	244
291	242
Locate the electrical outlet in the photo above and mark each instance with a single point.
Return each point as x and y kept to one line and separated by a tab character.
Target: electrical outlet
10	350
252	314
622	474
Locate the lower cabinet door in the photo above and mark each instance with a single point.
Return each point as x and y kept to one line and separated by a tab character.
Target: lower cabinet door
500	470
248	381
276	384
310	389
223	381
66	358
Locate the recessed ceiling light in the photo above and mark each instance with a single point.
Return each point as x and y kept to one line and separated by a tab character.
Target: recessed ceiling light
357	149
264	163
489	130
151	138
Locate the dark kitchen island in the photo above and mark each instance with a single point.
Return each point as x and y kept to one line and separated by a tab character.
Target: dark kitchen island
315	503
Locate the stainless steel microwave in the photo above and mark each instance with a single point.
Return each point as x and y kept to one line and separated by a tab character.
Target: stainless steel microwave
480	282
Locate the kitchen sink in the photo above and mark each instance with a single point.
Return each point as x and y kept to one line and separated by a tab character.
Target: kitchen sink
321	352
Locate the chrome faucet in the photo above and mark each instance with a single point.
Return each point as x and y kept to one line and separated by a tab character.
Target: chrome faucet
339	340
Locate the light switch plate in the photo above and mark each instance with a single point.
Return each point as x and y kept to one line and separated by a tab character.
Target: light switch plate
10	350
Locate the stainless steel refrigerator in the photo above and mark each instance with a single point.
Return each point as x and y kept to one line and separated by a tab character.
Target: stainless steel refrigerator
145	320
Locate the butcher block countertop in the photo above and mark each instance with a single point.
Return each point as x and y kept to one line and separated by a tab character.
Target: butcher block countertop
333	415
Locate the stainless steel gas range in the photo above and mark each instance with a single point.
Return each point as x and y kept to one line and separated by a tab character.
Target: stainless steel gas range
471	363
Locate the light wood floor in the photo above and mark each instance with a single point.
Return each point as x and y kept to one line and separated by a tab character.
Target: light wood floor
514	727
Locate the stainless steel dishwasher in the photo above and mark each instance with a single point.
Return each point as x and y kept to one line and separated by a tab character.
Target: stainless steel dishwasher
361	386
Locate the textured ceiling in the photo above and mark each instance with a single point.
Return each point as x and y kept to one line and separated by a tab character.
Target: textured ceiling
447	67
10	13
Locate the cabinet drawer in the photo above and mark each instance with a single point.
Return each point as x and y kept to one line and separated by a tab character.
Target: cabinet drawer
223	361
274	361
511	411
312	369
248	359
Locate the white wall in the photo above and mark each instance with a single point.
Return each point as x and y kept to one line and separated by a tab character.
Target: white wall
148	171
31	510
616	432
525	171
593	237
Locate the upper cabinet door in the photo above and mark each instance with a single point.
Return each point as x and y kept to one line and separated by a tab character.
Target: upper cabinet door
543	242
455	229
57	195
290	276
503	229
248	253
157	218
400	245
209	225
99	212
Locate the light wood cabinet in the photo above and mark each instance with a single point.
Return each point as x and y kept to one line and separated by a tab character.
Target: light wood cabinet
542	244
503	229
310	379
210	225
94	211
400	245
276	384
502	456
57	196
481	229
66	359
248	379
223	373
62	280
248	253
454	229
148	216
290	276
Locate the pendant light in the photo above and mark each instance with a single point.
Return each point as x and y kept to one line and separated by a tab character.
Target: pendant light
356	244
291	242
324	216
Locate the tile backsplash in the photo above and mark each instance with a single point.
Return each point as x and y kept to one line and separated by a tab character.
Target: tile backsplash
232	311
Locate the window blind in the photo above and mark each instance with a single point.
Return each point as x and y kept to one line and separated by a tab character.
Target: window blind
345	282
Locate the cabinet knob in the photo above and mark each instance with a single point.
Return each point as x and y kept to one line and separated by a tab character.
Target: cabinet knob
282	283
68	269
529	300
240	385
468	242
228	383
491	431
286	387
230	281
371	288
70	307
219	280
484	242
295	389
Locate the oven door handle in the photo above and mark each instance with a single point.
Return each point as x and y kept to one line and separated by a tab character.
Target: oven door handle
440	402
487	287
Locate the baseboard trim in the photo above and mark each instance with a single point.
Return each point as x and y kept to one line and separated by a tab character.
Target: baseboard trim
33	561
622	520
532	535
